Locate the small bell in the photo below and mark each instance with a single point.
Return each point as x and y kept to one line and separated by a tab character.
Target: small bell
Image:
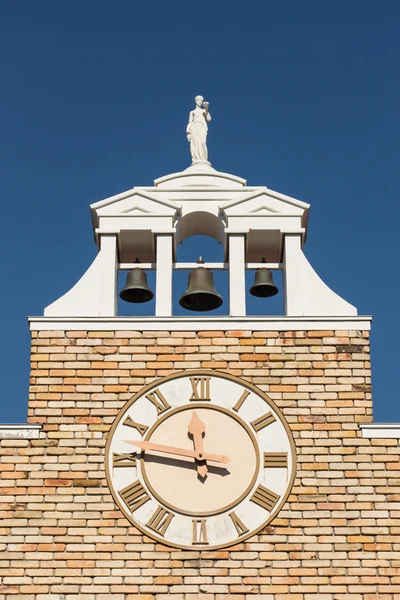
200	295
136	289
263	286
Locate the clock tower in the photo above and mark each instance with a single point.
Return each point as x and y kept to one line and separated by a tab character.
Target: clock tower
200	456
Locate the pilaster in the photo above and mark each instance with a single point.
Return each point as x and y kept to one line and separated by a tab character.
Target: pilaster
164	258
237	282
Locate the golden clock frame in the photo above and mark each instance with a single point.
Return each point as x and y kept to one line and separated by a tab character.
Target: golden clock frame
200	373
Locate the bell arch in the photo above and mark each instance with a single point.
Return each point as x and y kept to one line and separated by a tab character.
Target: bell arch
200	223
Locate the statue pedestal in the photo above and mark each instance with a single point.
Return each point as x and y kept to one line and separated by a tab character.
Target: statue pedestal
200	164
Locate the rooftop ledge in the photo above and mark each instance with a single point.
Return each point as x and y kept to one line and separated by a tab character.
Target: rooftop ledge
19	432
197	323
31	432
381	430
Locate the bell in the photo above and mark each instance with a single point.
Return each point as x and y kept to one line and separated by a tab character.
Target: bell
200	294
263	286
136	288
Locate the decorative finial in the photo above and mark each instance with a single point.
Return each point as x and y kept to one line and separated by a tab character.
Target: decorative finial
196	130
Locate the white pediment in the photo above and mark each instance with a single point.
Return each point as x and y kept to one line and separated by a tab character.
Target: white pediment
263	210
265	202
136	209
134	203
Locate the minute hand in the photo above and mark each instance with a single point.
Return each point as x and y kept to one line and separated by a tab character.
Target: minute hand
219	458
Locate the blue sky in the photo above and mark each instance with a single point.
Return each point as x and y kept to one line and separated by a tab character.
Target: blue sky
95	98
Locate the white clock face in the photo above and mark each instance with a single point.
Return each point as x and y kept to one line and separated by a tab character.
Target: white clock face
200	459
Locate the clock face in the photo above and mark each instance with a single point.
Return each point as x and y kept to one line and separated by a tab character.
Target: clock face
200	459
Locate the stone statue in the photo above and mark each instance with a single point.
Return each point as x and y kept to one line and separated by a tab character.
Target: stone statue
196	130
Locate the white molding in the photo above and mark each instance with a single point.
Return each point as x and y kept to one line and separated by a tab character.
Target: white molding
204	171
129	194
200	188
19	432
194	265
266	265
381	431
130	266
200	323
264	191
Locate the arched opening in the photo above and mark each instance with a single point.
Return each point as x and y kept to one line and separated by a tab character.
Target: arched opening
188	252
200	223
264	306
145	309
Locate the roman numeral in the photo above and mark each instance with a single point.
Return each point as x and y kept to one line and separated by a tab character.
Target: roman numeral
263	421
200	388
264	498
159	401
239	403
160	520
239	525
199	531
124	460
275	459
131	423
134	495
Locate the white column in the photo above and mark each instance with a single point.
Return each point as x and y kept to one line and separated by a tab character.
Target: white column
237	283
164	256
293	275
107	276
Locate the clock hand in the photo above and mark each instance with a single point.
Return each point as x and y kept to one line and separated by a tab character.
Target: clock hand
219	458
196	428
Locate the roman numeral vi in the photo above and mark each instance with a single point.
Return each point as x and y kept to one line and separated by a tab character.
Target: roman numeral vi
199	531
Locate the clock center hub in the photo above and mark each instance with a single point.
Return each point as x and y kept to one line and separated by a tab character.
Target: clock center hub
183	489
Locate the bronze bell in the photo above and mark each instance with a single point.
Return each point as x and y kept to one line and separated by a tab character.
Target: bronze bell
136	288
200	294
263	286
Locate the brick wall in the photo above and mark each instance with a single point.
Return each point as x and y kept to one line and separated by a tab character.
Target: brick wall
62	537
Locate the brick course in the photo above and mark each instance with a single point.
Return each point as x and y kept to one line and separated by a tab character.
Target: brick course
62	537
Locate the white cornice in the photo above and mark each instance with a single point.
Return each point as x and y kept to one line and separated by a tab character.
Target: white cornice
262	190
19	432
381	430
201	188
200	323
191	172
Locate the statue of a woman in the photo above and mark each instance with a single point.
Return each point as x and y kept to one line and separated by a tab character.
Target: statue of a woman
196	130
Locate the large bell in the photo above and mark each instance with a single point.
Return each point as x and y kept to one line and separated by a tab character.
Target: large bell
263	286
136	288
200	294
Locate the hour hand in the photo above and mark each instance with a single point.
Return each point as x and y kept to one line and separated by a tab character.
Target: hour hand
197	429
